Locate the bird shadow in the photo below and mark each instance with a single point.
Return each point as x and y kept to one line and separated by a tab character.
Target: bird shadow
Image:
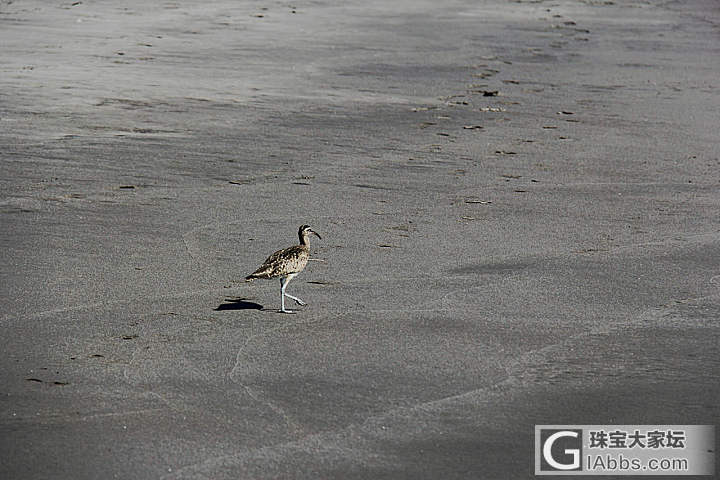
238	304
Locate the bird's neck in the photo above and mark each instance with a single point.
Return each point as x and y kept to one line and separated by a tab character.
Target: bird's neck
304	240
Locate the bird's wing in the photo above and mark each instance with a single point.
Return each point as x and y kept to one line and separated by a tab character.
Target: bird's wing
282	262
294	259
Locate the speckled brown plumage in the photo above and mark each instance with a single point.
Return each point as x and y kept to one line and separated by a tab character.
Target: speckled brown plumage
283	262
286	264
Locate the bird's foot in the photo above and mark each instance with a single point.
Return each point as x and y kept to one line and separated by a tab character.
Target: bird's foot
283	310
296	299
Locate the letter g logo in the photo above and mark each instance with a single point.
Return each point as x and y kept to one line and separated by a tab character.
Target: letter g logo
575	452
558	448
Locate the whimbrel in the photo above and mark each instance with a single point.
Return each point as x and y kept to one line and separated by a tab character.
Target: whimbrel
286	264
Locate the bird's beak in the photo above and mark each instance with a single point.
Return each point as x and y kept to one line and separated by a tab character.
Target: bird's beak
316	234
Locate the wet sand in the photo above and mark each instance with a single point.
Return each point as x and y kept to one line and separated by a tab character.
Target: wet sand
518	203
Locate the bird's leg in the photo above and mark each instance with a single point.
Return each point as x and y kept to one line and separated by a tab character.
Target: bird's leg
283	284
297	300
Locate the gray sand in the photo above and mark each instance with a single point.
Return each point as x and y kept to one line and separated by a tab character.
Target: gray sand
557	261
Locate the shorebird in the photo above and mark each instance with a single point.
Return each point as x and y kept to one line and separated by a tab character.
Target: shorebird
286	264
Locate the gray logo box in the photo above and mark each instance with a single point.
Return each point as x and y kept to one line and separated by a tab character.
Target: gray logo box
625	450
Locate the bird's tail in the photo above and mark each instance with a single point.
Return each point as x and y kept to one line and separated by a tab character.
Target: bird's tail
262	272
254	275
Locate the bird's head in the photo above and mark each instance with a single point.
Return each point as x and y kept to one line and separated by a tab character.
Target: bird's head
305	231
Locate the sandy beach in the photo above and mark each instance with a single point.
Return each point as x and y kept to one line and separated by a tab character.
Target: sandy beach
518	203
